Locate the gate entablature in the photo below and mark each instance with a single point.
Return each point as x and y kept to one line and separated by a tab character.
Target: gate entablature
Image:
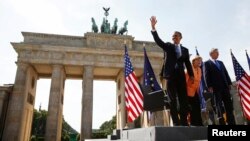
103	51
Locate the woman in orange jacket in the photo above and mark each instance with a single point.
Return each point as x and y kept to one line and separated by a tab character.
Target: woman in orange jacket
192	92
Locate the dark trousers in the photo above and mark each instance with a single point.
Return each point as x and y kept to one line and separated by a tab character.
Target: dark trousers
195	113
223	95
178	94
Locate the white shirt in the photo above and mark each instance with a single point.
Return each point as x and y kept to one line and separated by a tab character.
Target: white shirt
213	60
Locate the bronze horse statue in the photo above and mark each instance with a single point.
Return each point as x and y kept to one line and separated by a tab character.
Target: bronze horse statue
94	26
114	28
124	28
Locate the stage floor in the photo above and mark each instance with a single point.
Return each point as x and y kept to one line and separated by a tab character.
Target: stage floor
165	133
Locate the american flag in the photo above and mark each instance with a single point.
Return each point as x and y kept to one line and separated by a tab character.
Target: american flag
248	60
202	87
133	94
243	83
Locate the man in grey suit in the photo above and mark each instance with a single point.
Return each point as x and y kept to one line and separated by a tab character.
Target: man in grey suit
219	83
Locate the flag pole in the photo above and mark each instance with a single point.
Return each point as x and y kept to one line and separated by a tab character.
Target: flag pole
125	111
248	59
148	113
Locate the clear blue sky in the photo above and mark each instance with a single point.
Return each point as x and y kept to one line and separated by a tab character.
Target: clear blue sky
222	24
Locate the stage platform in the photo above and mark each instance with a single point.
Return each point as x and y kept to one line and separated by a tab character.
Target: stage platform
156	133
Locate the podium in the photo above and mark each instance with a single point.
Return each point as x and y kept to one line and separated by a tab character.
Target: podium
155	100
158	103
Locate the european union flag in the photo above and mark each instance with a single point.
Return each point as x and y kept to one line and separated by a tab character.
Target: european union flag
154	97
202	85
149	75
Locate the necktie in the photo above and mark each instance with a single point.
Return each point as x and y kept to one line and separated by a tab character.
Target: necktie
217	64
178	53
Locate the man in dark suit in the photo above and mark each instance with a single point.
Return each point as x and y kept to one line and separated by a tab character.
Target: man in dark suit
173	71
219	83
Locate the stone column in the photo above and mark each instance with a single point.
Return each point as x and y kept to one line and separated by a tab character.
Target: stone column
87	103
14	124
54	118
157	118
5	92
121	115
238	113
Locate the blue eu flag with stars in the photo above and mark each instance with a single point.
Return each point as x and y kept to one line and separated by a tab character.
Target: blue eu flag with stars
202	87
149	75
155	98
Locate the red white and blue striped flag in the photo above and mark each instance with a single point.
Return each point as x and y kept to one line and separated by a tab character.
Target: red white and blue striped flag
243	83
133	93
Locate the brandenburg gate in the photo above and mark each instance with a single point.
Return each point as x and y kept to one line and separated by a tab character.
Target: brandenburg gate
60	57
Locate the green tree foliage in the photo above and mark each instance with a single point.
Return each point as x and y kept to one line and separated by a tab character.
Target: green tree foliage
105	129
109	126
39	126
39	122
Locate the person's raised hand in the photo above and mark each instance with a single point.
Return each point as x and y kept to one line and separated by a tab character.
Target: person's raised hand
153	22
